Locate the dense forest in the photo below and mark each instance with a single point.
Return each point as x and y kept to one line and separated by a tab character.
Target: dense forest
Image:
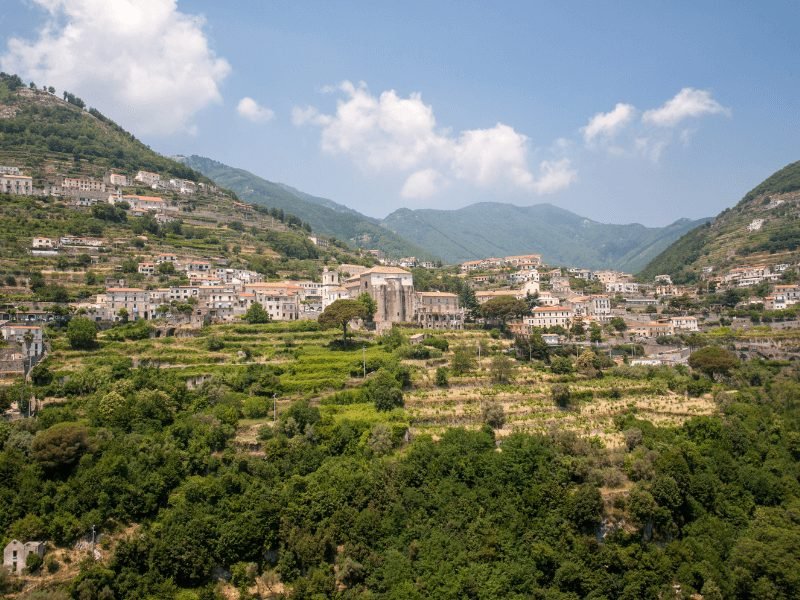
335	508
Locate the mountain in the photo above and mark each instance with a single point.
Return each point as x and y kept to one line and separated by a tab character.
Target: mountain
764	227
562	237
325	216
50	138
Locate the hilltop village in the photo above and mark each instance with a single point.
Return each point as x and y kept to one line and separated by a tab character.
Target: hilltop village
558	303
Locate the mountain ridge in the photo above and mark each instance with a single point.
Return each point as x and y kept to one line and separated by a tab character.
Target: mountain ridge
461	234
325	216
735	237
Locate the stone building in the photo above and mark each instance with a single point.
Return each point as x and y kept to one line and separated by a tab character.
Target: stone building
438	310
392	288
15	555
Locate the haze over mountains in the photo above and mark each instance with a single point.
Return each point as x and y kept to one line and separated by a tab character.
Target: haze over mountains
476	231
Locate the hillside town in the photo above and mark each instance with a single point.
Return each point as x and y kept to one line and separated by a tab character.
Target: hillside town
559	300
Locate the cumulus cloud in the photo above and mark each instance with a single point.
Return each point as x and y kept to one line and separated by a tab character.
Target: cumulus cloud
143	62
252	111
422	184
388	132
687	103
610	123
618	132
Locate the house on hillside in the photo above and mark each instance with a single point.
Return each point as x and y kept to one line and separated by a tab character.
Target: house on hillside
147	178
21	185
15	555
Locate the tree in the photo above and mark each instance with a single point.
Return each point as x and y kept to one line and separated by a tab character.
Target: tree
503	308
493	415
82	333
340	313
561	395
562	365
595	333
463	360
61	445
384	391
588	363
256	314
369	305
501	369
532	346
618	323
441	377
123	314
166	268
714	361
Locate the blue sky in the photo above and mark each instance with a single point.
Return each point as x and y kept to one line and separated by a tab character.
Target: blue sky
448	103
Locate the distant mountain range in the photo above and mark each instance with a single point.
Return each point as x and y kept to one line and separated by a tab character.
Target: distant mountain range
325	216
476	231
763	228
562	237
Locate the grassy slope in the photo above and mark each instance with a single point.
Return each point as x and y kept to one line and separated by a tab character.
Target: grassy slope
325	216
726	242
491	229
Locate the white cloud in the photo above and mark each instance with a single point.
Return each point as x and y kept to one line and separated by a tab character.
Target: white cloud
608	124
391	133
252	111
687	103
422	184
555	175
143	62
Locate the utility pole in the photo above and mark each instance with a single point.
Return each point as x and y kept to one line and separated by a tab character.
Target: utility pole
93	541
274	407
364	359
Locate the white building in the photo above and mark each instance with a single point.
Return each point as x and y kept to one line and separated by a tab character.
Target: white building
755	225
684	323
44	243
147	178
21	185
622	287
549	316
30	336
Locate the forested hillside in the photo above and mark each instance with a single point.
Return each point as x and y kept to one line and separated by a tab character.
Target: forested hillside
188	484
325	216
563	238
731	239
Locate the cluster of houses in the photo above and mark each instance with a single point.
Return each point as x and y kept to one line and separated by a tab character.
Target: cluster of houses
223	294
86	191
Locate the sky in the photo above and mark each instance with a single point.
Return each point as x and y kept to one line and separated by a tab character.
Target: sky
619	111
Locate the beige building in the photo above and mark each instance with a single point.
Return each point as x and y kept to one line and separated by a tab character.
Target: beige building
147	178
21	185
438	310
83	184
117	180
